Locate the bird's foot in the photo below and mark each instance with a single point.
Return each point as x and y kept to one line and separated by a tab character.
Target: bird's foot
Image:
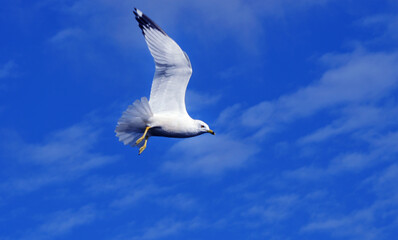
143	136
143	146
141	149
139	140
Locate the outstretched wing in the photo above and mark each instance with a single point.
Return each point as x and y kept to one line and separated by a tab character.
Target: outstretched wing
173	68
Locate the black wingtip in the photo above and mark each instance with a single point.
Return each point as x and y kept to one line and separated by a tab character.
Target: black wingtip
144	22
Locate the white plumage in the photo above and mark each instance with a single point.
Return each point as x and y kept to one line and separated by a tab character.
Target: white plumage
165	114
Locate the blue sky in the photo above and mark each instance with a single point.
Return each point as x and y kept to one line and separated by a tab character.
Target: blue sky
302	96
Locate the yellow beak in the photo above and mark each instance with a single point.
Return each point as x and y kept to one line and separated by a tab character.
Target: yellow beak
211	132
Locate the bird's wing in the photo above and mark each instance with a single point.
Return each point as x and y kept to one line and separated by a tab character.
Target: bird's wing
173	68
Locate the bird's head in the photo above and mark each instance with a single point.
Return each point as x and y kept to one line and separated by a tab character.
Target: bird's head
203	127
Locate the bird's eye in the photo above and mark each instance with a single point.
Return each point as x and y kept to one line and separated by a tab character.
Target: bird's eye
202	126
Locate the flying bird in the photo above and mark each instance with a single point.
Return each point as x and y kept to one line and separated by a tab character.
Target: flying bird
165	113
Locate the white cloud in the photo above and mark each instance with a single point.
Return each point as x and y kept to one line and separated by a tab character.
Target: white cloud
362	77
386	143
236	19
388	24
307	173
130	191
281	8
232	112
257	115
357	225
6	69
162	229
64	221
275	209
105	185
67	35
353	87
228	120
209	155
196	101
355	118
65	155
135	194
169	227
381	149
60	223
97	19
179	201
364	223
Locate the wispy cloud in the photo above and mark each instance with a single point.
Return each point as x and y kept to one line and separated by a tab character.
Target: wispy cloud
354	83
136	194
238	19
381	149
197	101
61	222
383	182
274	209
387	24
364	222
352	86
66	35
231	112
357	224
168	227
64	221
209	155
130	191
358	77
179	201
6	69
355	118
281	8
65	155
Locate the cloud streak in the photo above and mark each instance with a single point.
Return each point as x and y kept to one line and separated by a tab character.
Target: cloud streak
209	155
358	77
65	155
64	221
237	19
6	69
365	222
168	227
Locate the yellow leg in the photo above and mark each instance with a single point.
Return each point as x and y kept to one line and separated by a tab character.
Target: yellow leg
143	146
143	136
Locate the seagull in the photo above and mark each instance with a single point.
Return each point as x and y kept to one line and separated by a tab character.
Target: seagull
165	113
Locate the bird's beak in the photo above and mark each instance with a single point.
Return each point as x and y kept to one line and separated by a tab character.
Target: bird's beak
211	132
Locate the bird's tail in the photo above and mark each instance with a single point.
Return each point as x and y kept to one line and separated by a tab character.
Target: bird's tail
132	124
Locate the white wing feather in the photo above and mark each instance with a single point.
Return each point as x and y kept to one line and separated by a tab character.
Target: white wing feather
173	68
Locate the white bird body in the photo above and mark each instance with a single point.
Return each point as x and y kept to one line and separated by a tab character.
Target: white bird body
173	126
165	113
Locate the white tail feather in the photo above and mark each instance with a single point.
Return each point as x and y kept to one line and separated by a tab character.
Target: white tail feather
132	124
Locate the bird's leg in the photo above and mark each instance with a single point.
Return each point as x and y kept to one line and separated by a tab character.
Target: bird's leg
143	146
143	136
